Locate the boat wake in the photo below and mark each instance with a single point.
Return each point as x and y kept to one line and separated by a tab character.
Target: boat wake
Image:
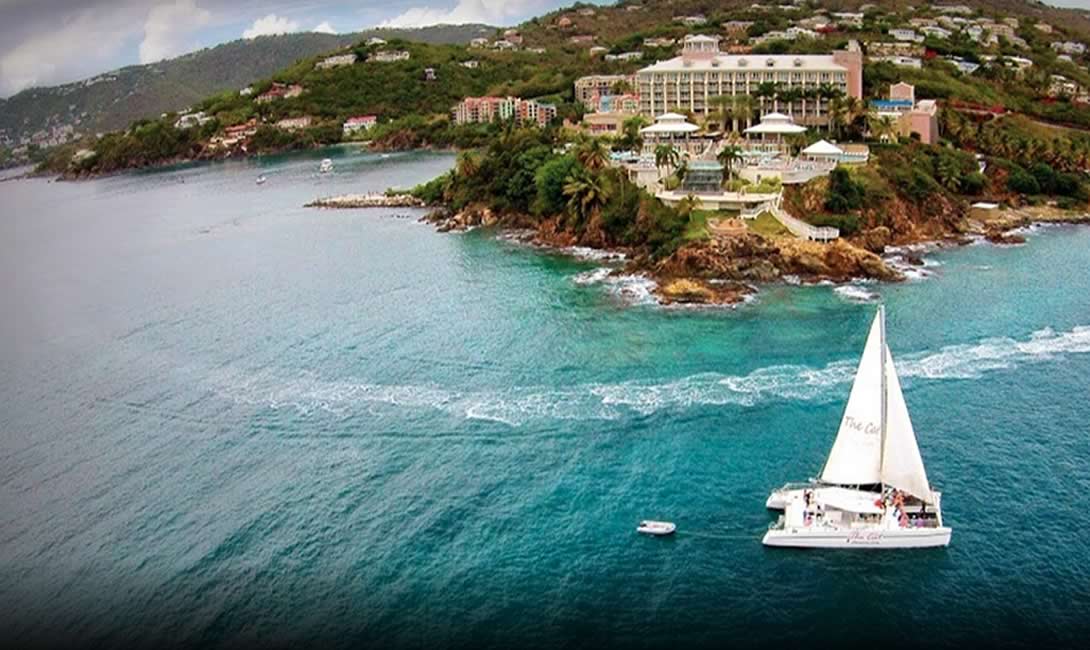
520	405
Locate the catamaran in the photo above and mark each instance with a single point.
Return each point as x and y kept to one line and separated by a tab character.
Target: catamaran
873	490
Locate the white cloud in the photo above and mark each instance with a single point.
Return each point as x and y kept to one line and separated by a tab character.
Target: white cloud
324	28
270	25
168	27
493	12
83	44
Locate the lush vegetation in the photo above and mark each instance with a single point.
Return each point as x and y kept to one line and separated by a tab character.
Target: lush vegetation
534	174
145	91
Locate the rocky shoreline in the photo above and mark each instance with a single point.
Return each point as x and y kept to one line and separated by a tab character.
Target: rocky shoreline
727	269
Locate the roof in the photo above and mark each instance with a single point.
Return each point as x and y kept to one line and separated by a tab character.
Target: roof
670	127
823	148
749	62
776	123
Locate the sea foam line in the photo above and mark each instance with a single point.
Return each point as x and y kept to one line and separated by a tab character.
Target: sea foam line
516	406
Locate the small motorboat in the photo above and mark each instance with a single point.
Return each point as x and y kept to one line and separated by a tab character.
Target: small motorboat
656	528
261	179
326	166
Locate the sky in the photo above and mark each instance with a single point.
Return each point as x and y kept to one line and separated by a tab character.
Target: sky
46	42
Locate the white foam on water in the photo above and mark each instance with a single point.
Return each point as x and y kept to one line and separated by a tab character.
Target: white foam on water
593	254
516	406
633	289
855	293
593	276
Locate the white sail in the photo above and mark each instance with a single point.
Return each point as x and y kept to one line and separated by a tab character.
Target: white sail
856	456
902	466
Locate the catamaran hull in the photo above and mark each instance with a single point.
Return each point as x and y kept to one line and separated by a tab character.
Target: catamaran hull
907	538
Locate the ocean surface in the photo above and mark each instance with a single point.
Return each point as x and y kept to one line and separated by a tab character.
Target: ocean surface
226	420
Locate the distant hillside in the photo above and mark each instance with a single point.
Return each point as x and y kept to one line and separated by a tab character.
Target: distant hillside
115	99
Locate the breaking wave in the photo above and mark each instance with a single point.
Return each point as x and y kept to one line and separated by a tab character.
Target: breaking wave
517	406
856	293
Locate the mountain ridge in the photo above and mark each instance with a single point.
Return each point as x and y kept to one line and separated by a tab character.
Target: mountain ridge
114	99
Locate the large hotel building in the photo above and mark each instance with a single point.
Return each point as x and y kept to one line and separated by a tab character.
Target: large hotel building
689	82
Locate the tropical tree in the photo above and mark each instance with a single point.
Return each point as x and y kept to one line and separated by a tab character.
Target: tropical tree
949	172
741	109
592	153
727	156
883	127
469	162
630	133
666	157
722	110
686	206
586	193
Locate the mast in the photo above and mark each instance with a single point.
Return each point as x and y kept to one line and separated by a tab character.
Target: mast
885	387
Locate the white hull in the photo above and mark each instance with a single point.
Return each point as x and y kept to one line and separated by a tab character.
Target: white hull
858	538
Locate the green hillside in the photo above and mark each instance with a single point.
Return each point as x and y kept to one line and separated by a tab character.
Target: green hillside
115	99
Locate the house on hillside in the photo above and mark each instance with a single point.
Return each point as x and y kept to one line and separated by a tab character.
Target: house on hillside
294	123
359	123
478	42
389	56
279	91
335	61
374	40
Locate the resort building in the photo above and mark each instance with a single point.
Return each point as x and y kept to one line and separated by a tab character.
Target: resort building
702	72
279	91
911	116
336	61
389	56
901	61
475	110
604	123
907	35
294	123
362	122
589	90
190	120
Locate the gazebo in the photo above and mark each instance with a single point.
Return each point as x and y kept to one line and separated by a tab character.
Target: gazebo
774	126
823	150
669	128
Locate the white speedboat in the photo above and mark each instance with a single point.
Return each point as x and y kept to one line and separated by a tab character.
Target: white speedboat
873	491
261	179
656	528
326	166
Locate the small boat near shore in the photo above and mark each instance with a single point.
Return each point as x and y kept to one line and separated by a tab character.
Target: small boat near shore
261	179
873	491
656	528
326	166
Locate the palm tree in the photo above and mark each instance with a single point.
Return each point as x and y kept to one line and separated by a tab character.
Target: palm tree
722	112
592	153
468	164
729	155
686	206
586	193
665	156
949	173
741	108
630	130
765	90
884	127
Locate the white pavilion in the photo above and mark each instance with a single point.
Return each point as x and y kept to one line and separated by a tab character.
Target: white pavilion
771	130
672	129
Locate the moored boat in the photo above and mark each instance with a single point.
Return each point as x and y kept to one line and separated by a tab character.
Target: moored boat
326	166
873	491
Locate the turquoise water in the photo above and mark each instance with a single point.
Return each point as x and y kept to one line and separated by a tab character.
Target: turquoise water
226	419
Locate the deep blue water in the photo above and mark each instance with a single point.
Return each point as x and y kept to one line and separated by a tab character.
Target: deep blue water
226	419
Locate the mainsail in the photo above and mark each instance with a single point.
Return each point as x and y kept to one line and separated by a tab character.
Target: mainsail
876	442
902	466
856	457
